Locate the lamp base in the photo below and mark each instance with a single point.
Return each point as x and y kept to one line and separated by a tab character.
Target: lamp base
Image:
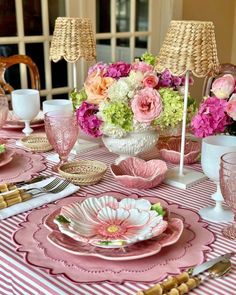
189	178
215	214
83	145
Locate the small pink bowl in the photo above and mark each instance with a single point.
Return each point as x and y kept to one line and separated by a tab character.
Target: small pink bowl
170	151
136	173
6	157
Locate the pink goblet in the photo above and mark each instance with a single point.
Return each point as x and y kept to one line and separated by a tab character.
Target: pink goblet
3	109
62	131
228	189
3	112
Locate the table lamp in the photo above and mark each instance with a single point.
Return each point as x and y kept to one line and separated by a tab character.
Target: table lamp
189	46
73	39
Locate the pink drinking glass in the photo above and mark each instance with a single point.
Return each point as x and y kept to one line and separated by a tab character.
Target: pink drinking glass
3	112
62	132
3	109
228	189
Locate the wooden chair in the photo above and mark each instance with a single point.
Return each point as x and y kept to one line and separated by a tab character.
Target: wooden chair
225	68
6	62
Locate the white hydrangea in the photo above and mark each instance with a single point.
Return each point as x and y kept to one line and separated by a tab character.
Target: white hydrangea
112	131
135	79
119	90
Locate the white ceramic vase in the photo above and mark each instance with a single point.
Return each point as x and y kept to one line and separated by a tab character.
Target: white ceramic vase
133	144
213	147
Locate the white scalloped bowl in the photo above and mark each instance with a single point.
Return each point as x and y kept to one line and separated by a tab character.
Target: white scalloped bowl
108	223
137	173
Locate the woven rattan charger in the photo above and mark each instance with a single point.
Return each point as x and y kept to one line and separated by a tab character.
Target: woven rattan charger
83	172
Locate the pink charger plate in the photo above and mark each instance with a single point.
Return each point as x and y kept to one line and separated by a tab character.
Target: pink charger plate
134	251
189	250
6	157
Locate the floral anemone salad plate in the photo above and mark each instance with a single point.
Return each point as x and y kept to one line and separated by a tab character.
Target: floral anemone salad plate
106	222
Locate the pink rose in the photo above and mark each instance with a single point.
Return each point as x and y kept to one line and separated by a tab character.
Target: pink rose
96	87
141	66
150	80
146	105
223	86
231	107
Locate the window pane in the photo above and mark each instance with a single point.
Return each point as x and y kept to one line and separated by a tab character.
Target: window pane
7	18
141	42
103	49
12	75
32	17
56	8
141	15
60	96
122	15
59	73
103	16
122	49
35	51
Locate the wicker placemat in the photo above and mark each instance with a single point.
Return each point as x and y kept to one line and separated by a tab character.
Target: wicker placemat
83	172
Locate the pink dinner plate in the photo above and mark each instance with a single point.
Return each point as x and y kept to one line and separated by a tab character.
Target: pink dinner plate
15	123
134	251
6	157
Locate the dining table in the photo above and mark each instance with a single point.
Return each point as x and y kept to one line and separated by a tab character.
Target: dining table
29	273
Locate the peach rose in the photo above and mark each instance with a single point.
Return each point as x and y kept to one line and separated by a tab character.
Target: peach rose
150	80
146	105
96	88
223	86
231	107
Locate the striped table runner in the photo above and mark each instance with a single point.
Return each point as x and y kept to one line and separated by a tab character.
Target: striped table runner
18	277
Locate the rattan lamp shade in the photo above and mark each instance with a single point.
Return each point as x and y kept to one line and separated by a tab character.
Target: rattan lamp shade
189	46
72	39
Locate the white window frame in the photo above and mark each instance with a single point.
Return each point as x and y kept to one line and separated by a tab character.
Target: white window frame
160	13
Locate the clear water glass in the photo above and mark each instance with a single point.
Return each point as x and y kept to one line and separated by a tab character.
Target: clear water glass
62	132
228	189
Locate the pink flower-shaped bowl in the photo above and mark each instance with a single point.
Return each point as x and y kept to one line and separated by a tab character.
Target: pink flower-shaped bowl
136	173
170	151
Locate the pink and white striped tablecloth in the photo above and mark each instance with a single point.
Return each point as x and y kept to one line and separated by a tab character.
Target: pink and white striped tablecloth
20	278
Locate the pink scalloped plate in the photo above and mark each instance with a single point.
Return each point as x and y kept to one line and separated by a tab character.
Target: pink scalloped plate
14	123
134	251
6	157
189	250
22	167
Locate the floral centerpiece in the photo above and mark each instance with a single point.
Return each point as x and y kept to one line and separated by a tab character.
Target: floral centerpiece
217	113
121	97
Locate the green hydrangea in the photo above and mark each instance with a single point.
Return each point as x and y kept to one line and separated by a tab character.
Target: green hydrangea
172	108
117	113
78	97
159	209
149	58
2	148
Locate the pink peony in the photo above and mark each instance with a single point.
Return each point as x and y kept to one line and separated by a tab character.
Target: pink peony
231	107
223	86
142	67
87	119
146	105
99	68
211	118
118	70
150	80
